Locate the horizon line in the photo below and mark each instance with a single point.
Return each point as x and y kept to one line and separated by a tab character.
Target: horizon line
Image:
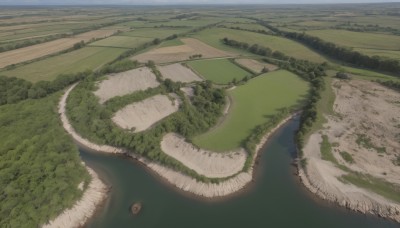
202	4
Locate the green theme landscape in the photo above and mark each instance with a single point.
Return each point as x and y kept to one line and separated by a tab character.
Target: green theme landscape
192	94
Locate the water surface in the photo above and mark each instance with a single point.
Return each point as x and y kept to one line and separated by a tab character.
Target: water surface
276	199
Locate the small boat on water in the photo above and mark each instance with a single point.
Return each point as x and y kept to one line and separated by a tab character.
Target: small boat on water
136	207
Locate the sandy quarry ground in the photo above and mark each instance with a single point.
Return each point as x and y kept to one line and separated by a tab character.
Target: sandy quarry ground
125	83
141	115
178	73
255	65
188	91
48	48
84	208
363	108
182	52
204	162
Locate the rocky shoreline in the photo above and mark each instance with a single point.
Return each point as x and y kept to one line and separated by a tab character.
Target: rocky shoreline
84	208
365	206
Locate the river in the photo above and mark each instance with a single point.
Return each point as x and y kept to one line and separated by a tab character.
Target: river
275	199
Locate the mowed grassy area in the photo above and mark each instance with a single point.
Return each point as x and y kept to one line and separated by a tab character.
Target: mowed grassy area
219	71
88	58
253	104
359	39
121	42
213	37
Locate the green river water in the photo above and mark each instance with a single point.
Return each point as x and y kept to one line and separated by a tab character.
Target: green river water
275	199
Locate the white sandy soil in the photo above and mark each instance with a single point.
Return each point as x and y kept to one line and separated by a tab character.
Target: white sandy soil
178	73
204	162
141	115
125	83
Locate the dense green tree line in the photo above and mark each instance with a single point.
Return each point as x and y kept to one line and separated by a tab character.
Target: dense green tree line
29	42
261	31
39	164
93	120
340	53
13	90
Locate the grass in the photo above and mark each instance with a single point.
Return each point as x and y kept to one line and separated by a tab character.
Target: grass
347	157
383	53
169	43
253	104
359	39
121	42
88	58
367	74
374	184
365	141
219	71
153	32
213	37
326	150
324	105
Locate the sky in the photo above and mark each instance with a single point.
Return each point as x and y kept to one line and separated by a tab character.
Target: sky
167	2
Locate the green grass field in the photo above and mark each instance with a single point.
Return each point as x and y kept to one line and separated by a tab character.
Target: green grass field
359	39
88	58
253	104
367	74
219	71
153	32
121	42
213	37
169	43
383	53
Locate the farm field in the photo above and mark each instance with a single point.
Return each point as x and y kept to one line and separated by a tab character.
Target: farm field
182	52
256	66
178	73
253	102
121	42
88	58
213	37
379	52
125	83
140	116
367	74
359	39
153	32
219	71
48	48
